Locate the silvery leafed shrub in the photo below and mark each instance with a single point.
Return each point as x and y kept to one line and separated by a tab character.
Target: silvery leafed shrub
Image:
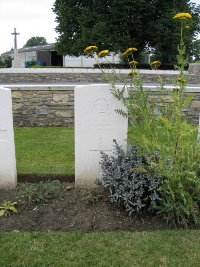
130	179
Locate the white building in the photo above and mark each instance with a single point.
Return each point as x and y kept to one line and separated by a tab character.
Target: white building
46	55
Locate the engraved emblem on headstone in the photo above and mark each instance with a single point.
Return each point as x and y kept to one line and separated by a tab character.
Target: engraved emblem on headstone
101	105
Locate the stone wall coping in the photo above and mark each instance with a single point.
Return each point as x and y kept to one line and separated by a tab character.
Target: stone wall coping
80	70
194	64
189	89
37	87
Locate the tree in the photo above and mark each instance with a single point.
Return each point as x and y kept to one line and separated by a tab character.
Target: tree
164	32
5	62
195	53
112	24
118	24
1	63
35	40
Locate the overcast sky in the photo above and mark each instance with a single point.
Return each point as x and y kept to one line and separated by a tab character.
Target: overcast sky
31	18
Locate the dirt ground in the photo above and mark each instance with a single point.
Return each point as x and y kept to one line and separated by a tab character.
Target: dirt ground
74	210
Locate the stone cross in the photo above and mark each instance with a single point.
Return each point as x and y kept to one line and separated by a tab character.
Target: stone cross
15	33
96	125
8	174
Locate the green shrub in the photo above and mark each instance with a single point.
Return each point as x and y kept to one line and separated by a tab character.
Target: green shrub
130	179
5	62
160	125
126	66
31	63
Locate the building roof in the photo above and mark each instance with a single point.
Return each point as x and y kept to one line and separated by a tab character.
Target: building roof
37	48
47	47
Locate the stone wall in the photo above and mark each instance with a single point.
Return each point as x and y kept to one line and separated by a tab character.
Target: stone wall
43	106
54	105
66	76
194	68
44	97
193	111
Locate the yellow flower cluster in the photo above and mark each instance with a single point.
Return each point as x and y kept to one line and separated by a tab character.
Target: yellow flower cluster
133	62
181	80
182	16
133	73
155	64
90	49
103	53
129	51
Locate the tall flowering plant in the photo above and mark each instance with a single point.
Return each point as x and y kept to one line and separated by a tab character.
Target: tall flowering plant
157	124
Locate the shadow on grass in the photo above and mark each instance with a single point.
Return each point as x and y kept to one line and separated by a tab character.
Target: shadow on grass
35	178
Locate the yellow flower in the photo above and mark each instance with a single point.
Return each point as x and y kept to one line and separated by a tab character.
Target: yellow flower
129	51
90	49
155	64
177	90
133	73
181	80
182	16
103	53
187	27
133	62
124	54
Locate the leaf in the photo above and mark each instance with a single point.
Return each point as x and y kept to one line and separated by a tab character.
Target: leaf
121	112
2	213
13	209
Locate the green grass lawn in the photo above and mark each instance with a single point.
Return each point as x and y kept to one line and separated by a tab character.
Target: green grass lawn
44	150
51	150
120	249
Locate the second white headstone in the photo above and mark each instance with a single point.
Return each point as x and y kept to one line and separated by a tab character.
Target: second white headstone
96	125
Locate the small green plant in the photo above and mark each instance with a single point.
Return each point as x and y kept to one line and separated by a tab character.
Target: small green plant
31	63
7	207
92	195
36	193
130	179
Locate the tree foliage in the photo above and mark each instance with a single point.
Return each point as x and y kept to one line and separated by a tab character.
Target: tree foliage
5	62
118	24
35	40
164	33
195	54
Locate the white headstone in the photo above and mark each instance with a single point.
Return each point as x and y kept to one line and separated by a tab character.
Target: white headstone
96	125
8	174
